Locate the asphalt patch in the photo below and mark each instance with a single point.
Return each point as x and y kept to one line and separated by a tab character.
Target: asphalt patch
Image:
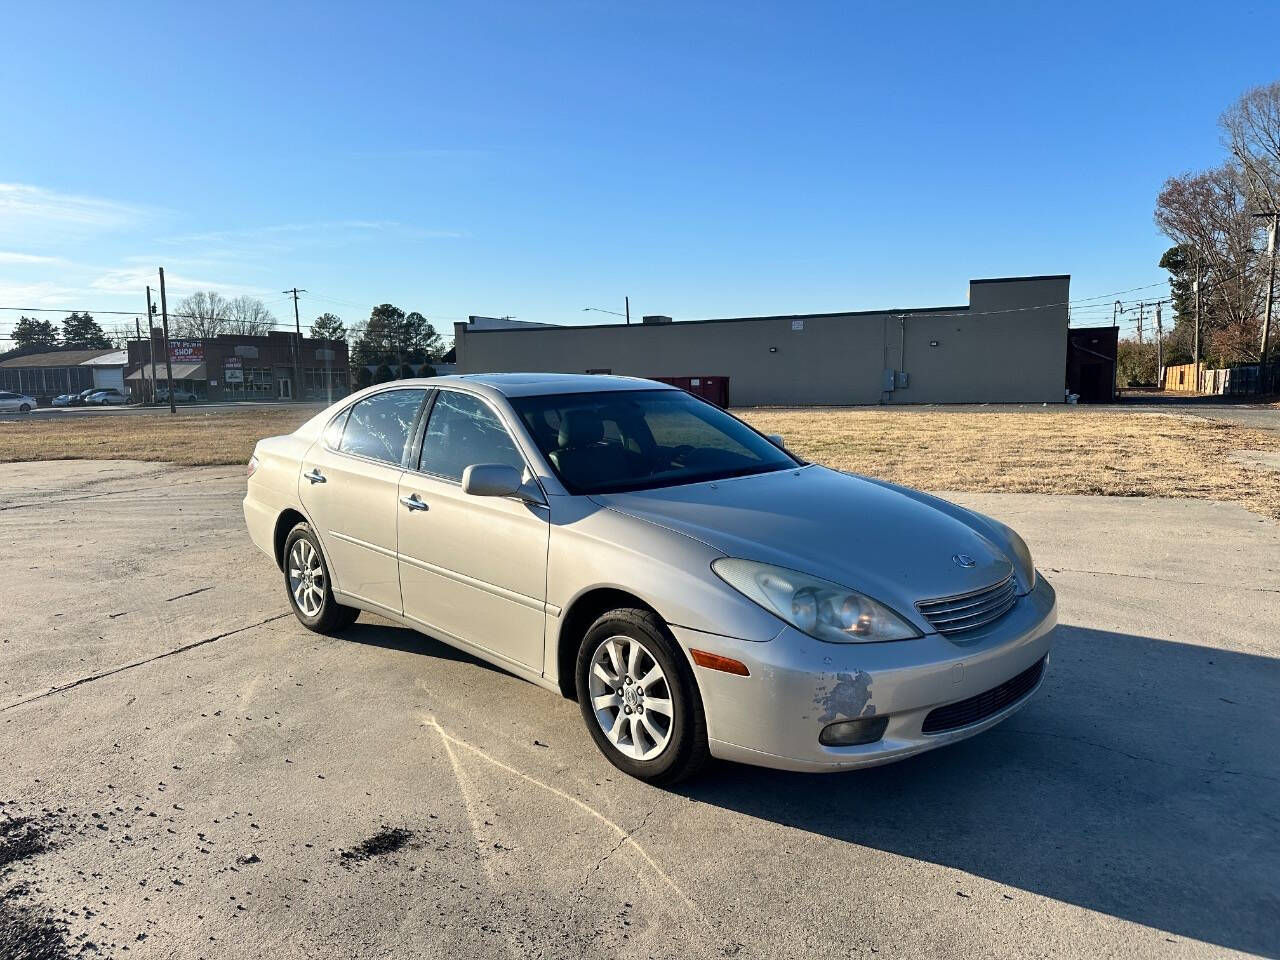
20	837
28	932
385	841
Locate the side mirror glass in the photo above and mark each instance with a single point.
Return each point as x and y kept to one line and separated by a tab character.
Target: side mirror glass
491	480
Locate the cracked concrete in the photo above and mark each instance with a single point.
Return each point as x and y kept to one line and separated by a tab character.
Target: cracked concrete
210	761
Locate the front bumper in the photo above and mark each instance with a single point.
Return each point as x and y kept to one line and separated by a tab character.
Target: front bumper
798	685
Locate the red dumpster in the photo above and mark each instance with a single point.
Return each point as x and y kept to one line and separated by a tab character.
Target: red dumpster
715	389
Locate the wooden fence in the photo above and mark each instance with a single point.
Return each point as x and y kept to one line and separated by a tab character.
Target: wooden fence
1223	381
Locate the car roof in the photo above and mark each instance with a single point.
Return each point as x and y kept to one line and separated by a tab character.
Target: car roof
540	384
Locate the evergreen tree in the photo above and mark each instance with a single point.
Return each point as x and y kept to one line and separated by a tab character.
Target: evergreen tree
392	337
30	334
328	327
80	330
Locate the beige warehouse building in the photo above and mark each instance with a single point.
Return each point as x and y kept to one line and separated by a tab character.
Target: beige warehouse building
1007	345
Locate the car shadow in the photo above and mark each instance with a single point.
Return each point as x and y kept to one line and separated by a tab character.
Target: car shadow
390	636
1141	782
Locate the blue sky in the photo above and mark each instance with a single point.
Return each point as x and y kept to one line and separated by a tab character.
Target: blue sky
710	159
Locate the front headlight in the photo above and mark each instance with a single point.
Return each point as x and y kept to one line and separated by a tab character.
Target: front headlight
823	610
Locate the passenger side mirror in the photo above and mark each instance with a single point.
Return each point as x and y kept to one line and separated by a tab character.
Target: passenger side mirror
776	440
491	480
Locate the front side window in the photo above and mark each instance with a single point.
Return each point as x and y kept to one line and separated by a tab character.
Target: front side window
463	431
613	441
379	426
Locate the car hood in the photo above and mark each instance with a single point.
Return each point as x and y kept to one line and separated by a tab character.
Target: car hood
843	528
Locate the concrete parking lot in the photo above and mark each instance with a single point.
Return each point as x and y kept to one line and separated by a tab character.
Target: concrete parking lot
189	773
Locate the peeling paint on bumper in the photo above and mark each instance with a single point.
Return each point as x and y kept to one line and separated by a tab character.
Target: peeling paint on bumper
798	685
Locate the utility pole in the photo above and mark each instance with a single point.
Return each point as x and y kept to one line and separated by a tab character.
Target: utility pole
151	351
1195	353
297	344
168	361
1159	346
1116	310
628	302
142	364
1142	310
1273	239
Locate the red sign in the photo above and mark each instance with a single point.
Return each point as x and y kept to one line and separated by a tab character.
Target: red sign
186	351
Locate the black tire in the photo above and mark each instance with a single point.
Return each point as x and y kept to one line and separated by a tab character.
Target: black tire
331	617
686	750
25	408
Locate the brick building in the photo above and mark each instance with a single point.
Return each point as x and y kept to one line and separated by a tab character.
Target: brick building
277	366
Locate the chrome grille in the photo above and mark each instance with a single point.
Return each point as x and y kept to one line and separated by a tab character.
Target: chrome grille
970	611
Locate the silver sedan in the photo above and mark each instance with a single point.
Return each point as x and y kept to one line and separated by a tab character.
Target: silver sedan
699	590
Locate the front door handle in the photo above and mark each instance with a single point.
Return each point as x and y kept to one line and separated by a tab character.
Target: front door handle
315	476
413	502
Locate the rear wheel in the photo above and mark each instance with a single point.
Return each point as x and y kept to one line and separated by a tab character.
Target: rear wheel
306	579
638	697
25	408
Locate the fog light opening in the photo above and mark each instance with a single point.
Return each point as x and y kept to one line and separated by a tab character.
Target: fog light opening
852	733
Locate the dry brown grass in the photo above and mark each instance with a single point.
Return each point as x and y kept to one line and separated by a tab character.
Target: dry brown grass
1055	451
189	438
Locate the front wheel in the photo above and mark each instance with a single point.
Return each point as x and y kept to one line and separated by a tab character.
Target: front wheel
639	699
306	579
25	408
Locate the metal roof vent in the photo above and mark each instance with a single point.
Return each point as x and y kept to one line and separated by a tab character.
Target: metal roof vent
655	318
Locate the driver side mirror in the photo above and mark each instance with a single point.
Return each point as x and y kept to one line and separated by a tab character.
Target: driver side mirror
776	440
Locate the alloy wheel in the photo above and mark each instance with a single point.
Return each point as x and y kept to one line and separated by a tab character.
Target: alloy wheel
306	577
631	698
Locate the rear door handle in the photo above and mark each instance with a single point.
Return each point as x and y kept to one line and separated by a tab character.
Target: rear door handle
315	476
413	502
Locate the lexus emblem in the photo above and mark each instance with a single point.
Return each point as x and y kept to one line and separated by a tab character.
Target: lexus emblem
963	560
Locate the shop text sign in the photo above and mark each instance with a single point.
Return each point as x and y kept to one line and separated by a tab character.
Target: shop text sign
186	351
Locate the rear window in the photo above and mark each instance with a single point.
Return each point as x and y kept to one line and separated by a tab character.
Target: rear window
379	426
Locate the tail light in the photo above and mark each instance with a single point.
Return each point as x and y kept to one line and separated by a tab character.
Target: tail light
253	464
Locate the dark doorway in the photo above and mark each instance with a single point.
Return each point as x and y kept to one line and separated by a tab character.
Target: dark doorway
1091	363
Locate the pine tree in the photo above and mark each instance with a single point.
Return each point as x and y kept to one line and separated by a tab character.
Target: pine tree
30	334
80	330
328	327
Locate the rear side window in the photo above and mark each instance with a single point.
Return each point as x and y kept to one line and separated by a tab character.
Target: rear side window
463	431
379	426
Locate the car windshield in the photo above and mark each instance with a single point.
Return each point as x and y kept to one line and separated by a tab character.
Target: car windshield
615	441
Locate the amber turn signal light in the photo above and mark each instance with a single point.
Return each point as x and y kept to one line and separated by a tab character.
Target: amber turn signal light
713	661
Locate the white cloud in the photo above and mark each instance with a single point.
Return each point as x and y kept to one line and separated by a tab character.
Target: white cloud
35	212
10	256
44	294
286	237
134	280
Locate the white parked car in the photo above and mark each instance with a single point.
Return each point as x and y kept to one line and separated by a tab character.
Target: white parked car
20	402
695	587
180	395
108	397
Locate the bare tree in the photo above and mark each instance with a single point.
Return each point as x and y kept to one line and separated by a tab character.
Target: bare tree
202	314
248	316
1209	214
1251	131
